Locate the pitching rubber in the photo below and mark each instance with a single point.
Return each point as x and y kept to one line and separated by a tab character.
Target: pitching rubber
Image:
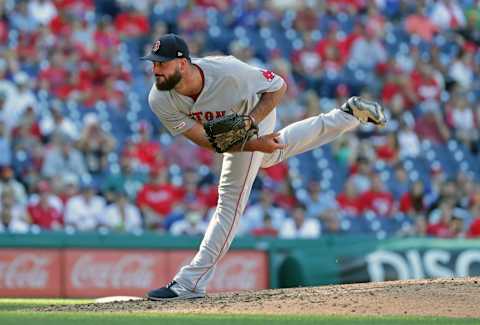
117	299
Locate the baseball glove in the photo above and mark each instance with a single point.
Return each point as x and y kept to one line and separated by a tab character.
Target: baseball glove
225	132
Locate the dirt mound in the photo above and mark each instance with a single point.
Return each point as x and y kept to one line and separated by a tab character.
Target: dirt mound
441	297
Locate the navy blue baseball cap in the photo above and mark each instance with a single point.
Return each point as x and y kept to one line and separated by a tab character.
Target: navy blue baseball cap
168	47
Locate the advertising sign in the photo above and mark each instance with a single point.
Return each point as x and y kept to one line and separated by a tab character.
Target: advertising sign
95	273
30	273
238	270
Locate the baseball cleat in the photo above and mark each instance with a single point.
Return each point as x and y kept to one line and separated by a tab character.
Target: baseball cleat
168	293
365	111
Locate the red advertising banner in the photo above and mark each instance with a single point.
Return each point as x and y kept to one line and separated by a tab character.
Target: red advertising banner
96	273
238	270
109	272
30	273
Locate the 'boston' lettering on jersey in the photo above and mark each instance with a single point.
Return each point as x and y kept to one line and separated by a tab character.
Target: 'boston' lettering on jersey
199	116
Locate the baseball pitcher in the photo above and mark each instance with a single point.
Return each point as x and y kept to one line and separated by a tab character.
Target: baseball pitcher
226	105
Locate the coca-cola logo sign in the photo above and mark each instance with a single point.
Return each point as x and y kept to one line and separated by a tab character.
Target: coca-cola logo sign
25	271
237	273
128	271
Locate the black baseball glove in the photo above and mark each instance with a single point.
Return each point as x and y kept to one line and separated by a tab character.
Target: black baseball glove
230	130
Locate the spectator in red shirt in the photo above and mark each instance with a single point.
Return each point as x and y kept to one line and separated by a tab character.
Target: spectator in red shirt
192	19
105	35
331	68
388	151
284	195
60	25
412	202
418	23
146	151
350	6
157	199
221	5
424	82
3	30
306	20
307	60
448	225
397	92
332	41
474	229
277	173
348	200
377	199
106	92
64	90
28	125
75	5
54	75
132	23
43	213
431	125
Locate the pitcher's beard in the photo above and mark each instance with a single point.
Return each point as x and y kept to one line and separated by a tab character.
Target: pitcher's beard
169	83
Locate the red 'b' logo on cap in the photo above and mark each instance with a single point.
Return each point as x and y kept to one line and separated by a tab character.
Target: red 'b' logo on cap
156	46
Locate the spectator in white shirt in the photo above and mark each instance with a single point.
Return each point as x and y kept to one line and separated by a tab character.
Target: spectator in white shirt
408	141
84	211
299	227
63	160
121	215
23	98
5	145
8	90
42	11
367	51
13	217
463	121
191	225
8	181
56	122
463	117
462	69
447	14
20	19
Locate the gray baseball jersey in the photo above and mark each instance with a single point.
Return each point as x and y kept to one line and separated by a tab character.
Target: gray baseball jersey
230	86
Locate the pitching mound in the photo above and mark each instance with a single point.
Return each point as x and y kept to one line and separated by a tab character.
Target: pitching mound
441	297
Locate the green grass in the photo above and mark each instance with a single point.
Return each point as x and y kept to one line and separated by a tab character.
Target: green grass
15	311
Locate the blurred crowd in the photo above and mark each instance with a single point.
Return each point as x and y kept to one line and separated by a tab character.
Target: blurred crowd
80	151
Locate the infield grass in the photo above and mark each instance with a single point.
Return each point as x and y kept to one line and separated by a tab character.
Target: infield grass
16	311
